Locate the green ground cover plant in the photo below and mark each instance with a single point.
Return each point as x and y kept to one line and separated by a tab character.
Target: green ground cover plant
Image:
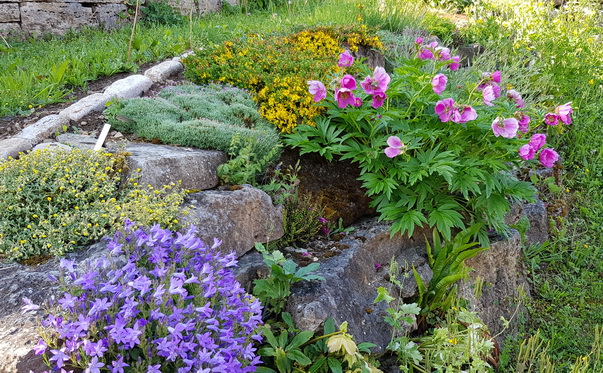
210	117
56	201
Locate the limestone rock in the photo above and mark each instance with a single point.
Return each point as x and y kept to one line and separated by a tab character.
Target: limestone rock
53	17
352	279
536	213
161	165
43	128
10	27
239	218
500	269
206	6
107	15
9	12
183	6
11	147
85	106
51	146
83	142
130	87
164	70
18	334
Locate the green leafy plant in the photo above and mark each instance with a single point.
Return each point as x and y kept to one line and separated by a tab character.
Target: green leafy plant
210	117
243	167
56	201
333	352
416	163
274	290
447	260
160	13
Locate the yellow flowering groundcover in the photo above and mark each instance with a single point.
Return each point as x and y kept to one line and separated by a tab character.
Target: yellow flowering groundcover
275	68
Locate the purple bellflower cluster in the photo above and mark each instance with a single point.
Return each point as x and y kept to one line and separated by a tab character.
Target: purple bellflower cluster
157	302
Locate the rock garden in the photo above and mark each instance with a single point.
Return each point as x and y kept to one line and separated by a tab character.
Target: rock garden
323	186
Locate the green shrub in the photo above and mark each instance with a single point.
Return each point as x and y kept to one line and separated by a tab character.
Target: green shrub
160	13
202	117
55	201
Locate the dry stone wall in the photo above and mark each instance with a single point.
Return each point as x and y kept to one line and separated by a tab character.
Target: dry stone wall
58	16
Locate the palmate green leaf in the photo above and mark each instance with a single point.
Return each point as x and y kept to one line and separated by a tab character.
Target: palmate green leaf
383	295
377	184
408	222
445	217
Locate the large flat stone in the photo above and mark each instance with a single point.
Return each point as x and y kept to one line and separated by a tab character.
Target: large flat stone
85	106
161	165
130	87
239	218
43	128
55	18
83	142
9	12
164	70
13	146
10	27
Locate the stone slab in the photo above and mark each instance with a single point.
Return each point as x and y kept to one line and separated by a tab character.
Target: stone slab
130	87
85	106
164	70
83	142
51	146
55	18
239	218
9	12
12	147
162	165
108	15
43	128
10	27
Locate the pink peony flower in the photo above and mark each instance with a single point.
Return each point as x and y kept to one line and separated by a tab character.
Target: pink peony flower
551	119
425	54
444	53
524	122
515	96
537	141
506	128
454	65
564	113
419	40
344	97
548	157
317	89
377	83
378	99
345	59
444	108
395	147
348	82
495	76
527	152
438	83
464	114
488	94
357	102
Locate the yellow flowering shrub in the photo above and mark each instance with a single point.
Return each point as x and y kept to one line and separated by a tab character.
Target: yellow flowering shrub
55	201
276	68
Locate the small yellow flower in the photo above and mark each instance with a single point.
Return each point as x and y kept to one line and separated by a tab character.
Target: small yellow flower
585	246
453	341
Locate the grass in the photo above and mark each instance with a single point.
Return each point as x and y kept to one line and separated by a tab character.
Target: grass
556	52
40	71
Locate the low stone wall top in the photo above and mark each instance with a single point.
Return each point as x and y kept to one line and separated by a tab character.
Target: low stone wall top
59	16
